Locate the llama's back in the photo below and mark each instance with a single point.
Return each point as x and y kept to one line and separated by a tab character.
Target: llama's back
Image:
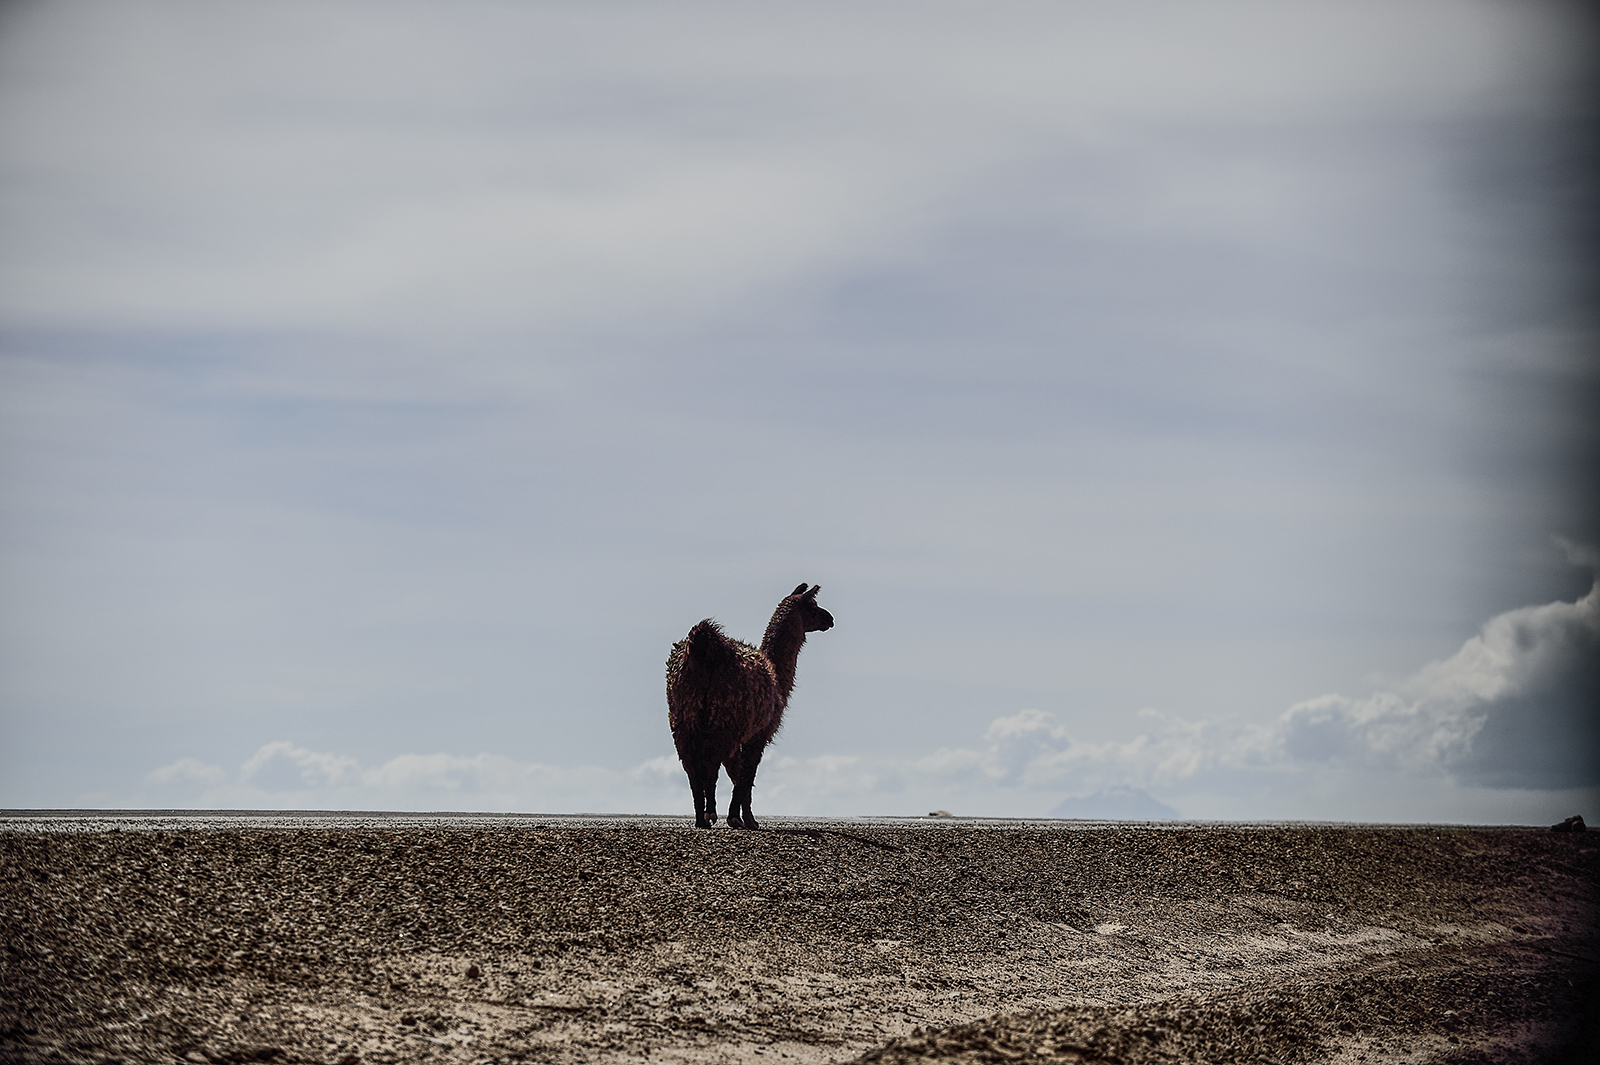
718	688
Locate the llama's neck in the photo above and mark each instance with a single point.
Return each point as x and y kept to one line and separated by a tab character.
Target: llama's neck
781	644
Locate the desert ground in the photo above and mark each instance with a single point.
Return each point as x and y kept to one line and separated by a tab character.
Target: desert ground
350	939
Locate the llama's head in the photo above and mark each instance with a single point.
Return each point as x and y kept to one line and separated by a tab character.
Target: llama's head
812	616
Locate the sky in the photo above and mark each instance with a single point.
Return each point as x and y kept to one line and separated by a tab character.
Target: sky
1187	410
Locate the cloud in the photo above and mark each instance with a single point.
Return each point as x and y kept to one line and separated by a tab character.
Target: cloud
1025	764
283	761
284	775
186	771
1518	706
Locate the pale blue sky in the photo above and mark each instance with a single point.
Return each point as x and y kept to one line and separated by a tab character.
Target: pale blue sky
386	387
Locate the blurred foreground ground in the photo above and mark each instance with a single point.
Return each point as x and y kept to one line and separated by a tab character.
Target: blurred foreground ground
350	939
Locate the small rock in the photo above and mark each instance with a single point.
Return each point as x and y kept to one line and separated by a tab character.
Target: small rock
1571	824
473	972
940	813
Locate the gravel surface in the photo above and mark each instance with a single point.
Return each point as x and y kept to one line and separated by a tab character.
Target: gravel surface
356	938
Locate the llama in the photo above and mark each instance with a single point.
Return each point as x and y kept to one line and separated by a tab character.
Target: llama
725	701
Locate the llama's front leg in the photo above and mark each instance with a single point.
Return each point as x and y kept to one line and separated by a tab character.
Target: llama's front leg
741	798
742	771
744	800
749	781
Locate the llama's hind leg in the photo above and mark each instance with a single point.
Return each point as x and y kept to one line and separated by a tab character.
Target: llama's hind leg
699	790
741	799
693	760
704	786
706	805
734	765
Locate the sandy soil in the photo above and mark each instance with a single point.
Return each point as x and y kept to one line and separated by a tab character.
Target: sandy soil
504	939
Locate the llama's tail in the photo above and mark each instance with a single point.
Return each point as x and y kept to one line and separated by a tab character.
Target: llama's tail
700	665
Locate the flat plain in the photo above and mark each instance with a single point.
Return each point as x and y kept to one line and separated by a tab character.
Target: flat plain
370	938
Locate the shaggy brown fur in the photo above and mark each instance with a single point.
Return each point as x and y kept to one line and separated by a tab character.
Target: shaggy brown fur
725	701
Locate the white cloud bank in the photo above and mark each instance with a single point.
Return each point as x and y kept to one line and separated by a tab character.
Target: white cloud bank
1517	707
284	775
1506	725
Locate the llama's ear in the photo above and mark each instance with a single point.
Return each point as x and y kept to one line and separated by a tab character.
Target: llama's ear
800	588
